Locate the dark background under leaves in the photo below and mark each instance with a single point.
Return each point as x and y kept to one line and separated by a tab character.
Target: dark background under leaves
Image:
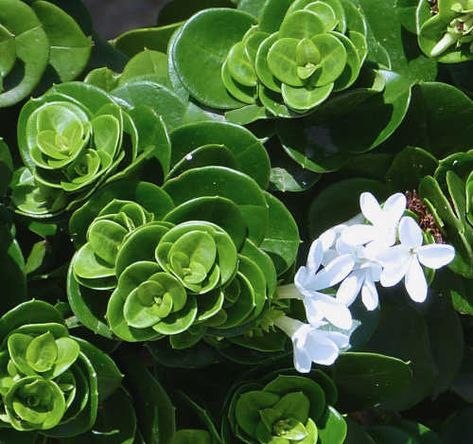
112	17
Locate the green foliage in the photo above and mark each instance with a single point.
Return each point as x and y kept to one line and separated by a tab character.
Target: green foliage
449	193
286	409
159	209
196	269
74	139
447	34
289	63
196	258
34	36
49	379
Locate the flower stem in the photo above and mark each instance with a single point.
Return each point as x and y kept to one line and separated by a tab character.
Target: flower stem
287	325
288	292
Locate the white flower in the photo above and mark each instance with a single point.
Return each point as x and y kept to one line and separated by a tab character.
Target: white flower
365	274
363	278
384	221
404	260
310	280
313	344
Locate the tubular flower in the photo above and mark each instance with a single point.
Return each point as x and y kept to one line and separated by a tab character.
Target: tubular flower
385	249
313	343
310	280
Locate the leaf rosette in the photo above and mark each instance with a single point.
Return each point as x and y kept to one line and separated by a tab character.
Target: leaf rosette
206	260
34	35
286	65
446	33
312	54
94	266
287	409
48	379
202	267
72	139
176	281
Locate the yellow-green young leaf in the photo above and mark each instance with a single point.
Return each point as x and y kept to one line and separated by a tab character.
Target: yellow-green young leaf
262	67
245	94
240	66
333	58
282	61
45	404
178	322
147	65
67	353
42	353
325	12
303	99
301	24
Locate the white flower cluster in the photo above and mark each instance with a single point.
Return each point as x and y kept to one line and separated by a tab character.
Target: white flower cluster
379	246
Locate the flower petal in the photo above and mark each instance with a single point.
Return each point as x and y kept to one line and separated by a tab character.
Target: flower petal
392	275
394	207
302	360
436	255
350	288
393	256
416	285
332	274
313	312
301	278
410	233
332	310
370	208
369	295
358	234
329	236
329	256
315	256
321	349
344	248
341	340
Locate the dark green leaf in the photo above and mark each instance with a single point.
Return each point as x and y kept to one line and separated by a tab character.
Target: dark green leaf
368	379
200	50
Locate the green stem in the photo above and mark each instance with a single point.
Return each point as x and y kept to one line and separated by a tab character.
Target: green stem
288	292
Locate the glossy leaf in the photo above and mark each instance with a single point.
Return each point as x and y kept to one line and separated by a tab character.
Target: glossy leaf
154	410
281	241
216	30
31	47
223	182
365	379
134	41
249	153
70	48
